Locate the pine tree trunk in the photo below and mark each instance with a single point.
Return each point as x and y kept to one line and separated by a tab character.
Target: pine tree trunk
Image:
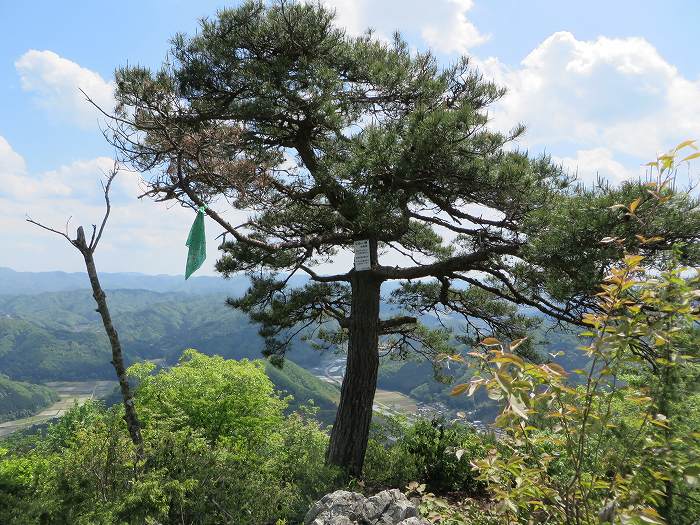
350	433
132	422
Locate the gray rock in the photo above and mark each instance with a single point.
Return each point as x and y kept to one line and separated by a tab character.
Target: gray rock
339	520
414	521
389	507
331	507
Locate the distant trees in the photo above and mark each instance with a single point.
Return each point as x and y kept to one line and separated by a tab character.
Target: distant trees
19	399
325	140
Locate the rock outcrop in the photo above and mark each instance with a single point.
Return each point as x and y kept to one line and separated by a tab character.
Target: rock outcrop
389	507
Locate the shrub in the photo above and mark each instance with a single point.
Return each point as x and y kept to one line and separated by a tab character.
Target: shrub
387	462
443	453
218	450
433	452
463	511
617	448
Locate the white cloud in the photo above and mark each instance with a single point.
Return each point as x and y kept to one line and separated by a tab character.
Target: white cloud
77	180
349	14
13	170
591	164
602	107
10	160
455	34
442	24
603	98
142	236
56	82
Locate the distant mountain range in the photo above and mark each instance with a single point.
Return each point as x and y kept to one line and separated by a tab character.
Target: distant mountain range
58	336
14	283
49	331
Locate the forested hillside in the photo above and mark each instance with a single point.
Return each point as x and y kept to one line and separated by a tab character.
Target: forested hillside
304	388
56	336
19	399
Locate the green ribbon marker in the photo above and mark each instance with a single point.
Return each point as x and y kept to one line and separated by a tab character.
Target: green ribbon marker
197	244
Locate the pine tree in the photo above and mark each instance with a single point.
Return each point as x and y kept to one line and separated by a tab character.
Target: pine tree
318	139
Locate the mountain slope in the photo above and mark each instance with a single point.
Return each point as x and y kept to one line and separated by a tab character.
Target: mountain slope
19	399
58	335
13	282
304	387
30	352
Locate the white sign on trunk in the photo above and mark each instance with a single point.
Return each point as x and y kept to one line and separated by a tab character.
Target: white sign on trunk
363	260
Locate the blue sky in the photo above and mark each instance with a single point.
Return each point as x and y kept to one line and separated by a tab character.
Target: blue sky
602	86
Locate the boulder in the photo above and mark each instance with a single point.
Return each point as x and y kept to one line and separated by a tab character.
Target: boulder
389	507
414	521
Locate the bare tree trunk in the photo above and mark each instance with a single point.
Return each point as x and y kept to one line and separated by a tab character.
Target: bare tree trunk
87	250
350	433
132	422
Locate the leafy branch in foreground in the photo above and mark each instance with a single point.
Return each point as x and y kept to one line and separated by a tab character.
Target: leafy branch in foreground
617	442
562	456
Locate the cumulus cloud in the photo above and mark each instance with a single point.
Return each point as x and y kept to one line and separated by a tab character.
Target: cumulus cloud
10	160
604	98
455	34
77	180
591	164
55	83
442	24
13	181
602	107
142	235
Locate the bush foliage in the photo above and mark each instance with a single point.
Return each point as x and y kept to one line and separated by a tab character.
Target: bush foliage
219	449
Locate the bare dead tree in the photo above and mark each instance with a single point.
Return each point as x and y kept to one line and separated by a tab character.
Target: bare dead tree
87	250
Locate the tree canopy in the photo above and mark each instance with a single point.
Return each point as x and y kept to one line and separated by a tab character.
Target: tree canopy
319	139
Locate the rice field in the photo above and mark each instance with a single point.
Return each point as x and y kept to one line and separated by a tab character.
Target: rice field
70	393
388	401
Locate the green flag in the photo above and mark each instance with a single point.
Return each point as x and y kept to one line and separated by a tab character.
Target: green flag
197	244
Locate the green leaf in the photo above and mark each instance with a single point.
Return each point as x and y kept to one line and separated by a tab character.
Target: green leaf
509	358
459	389
691	157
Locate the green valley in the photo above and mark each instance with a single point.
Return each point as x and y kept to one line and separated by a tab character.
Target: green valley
56	336
20	399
